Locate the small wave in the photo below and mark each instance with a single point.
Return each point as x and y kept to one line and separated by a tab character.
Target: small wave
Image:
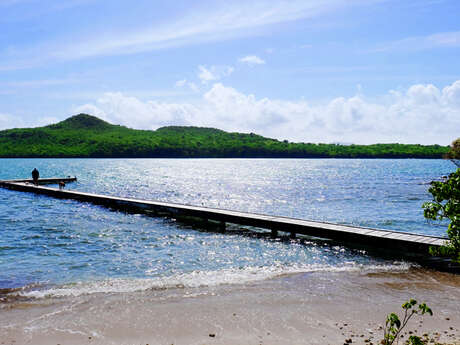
199	279
6	291
13	294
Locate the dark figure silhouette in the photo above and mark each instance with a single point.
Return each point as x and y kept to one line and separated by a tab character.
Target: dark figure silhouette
35	176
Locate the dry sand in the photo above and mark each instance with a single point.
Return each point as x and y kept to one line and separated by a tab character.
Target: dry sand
310	308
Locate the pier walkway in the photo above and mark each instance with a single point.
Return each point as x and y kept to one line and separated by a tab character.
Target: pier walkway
406	244
41	181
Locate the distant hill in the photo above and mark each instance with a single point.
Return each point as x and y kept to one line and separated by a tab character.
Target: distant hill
82	121
84	135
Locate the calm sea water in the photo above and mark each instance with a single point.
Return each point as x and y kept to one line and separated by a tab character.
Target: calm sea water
61	247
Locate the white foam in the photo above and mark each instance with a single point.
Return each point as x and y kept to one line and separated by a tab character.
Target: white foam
198	279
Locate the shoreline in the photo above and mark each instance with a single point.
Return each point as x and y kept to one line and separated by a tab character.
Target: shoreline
302	308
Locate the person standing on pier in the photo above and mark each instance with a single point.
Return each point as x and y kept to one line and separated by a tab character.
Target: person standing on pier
35	176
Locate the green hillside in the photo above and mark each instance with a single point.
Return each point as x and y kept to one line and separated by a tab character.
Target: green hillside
87	136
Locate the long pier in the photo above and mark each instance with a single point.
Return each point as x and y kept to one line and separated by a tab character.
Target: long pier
41	181
405	244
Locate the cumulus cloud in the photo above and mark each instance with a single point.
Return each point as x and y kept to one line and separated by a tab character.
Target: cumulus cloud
205	74
213	73
422	114
184	82
252	60
451	94
118	108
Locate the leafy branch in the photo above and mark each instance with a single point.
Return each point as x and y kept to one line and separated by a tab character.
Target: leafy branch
394	326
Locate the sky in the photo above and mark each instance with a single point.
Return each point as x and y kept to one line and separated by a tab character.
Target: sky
330	71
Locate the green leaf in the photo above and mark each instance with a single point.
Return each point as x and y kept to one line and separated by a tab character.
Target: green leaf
415	340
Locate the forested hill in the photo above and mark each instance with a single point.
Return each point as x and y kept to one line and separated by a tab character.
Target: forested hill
87	136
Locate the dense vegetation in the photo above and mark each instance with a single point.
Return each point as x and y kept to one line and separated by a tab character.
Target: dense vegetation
454	152
87	136
446	205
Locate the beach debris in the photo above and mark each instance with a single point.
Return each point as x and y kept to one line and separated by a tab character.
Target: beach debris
212	335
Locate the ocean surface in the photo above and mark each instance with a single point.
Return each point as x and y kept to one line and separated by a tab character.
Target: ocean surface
51	247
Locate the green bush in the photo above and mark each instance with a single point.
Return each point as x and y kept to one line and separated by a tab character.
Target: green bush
446	205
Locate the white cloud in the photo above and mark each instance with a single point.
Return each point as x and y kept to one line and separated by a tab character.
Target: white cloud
39	83
181	83
451	94
252	60
446	39
97	111
191	85
117	108
205	74
422	114
213	73
437	40
219	21
9	121
233	20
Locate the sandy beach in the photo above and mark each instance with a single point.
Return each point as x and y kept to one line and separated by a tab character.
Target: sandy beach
310	308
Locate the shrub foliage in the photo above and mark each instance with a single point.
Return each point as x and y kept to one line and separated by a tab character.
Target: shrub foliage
446	205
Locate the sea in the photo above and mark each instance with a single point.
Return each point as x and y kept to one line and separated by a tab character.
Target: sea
54	248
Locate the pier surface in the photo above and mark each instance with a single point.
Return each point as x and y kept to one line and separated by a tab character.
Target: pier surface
41	181
406	244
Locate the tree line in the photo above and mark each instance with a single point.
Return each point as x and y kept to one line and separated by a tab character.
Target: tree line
87	136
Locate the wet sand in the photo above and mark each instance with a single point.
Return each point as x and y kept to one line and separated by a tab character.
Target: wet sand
309	308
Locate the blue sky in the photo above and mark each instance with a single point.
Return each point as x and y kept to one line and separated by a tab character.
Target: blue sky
354	71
